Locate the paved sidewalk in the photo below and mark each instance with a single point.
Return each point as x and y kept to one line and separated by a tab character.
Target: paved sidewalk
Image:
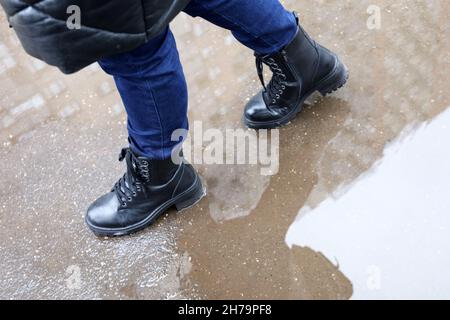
60	137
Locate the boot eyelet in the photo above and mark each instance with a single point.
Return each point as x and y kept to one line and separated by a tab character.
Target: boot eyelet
129	199
124	204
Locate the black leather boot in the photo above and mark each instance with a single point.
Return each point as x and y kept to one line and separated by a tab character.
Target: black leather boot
300	69
147	190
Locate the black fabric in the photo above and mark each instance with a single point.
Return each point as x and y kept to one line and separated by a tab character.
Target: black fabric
108	27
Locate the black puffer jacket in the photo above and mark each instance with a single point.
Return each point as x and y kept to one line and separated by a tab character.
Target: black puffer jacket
107	27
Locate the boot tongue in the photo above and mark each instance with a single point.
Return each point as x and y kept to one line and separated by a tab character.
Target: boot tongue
137	166
139	163
133	169
142	168
148	170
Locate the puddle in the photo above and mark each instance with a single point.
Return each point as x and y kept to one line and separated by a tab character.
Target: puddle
59	137
389	230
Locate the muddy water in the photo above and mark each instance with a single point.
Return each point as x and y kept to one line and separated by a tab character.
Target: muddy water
398	79
391	225
60	135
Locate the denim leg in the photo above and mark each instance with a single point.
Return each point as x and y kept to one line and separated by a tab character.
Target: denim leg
150	78
151	83
264	26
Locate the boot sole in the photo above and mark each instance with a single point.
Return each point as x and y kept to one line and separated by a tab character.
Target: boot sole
183	201
335	80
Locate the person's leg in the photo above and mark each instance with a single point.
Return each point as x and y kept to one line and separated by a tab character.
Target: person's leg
151	83
300	66
264	26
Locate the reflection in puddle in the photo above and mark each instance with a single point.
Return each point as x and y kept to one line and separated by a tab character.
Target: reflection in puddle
232	244
395	81
390	230
247	257
243	184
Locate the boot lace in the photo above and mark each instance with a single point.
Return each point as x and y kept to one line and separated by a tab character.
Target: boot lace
277	84
131	182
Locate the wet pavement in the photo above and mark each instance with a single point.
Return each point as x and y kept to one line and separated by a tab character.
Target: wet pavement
358	209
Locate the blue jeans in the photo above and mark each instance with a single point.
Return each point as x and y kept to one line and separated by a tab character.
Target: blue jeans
150	78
